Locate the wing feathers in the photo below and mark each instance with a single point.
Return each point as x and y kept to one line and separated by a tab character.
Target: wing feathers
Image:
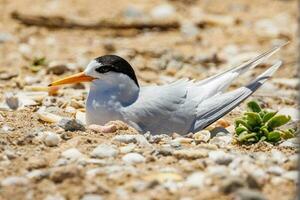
216	107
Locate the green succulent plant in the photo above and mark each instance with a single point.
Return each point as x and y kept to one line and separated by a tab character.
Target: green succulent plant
259	124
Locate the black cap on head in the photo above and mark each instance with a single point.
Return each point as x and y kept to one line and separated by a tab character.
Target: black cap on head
115	64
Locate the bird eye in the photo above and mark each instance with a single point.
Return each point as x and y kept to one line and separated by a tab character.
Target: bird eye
103	69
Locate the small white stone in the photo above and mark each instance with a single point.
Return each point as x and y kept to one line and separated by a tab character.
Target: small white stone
54	197
220	157
276	180
133	158
292	142
104	151
196	180
139	139
266	28
25	50
91	197
291	175
72	154
163	11
80	116
51	139
36	174
276	170
128	148
278	156
14	181
222	141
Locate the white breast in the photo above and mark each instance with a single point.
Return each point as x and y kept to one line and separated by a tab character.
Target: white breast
108	95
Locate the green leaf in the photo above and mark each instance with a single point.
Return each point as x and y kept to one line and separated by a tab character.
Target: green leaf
245	136
241	128
277	121
268	116
253	119
237	122
287	134
273	136
253	106
264	130
263	138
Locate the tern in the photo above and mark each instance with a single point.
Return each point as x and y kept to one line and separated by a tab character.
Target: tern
182	106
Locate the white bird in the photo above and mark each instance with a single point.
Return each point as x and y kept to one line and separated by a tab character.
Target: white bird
182	106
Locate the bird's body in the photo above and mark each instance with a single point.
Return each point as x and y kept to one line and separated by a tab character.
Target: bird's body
182	106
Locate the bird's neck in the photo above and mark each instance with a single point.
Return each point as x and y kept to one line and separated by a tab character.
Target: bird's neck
116	88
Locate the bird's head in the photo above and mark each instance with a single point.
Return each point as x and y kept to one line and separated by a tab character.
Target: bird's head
100	68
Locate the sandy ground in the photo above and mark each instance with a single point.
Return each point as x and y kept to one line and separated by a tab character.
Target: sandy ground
213	35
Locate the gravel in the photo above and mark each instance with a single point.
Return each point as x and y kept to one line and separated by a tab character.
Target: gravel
133	158
71	125
104	151
72	154
51	139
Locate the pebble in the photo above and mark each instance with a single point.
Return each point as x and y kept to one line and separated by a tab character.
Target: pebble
222	123
72	154
196	180
14	181
91	197
220	157
202	136
103	129
71	125
162	11
181	140
51	139
10	154
266	28
6	129
80	116
221	141
37	174
12	101
248	194
291	175
48	117
276	170
292	142
139	139
57	68
277	180
133	158
277	156
104	151
218	170
190	154
132	12
54	197
128	148
189	29
25	50
4	37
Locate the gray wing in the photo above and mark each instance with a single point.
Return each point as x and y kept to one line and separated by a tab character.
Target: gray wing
162	109
216	107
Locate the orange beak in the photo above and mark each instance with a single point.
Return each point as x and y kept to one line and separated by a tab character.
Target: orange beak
76	78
